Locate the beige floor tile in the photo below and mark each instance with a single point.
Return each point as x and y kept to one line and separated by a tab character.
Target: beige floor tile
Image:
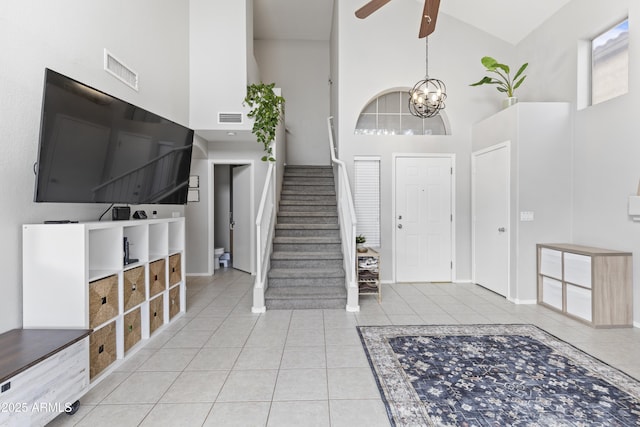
238	414
301	384
195	386
177	415
123	415
295	414
214	358
249	386
304	358
141	387
358	413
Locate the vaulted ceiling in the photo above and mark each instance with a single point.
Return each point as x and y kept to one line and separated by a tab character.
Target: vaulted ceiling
509	20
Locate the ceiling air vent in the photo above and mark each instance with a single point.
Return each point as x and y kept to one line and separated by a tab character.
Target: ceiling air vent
120	71
229	117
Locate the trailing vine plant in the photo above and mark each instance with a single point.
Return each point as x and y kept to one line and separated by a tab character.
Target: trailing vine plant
266	110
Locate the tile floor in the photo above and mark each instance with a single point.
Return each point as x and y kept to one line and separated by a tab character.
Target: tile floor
220	365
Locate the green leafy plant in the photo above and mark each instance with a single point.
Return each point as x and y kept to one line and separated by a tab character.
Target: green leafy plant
503	81
360	239
266	110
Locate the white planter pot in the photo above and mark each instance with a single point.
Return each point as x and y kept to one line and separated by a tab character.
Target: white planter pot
506	103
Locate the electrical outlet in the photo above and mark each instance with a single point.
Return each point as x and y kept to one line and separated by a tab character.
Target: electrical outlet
526	216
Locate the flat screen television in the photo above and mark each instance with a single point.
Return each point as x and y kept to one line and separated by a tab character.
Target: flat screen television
96	148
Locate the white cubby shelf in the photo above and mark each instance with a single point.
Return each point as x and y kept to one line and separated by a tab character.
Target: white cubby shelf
75	276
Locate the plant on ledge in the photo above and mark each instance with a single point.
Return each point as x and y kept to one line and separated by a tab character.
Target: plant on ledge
360	240
503	80
266	110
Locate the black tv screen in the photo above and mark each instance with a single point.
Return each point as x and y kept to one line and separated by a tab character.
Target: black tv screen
96	148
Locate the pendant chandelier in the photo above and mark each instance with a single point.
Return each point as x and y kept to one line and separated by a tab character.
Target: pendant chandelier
426	99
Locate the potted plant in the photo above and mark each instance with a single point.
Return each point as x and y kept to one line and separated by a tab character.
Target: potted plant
360	240
266	110
503	81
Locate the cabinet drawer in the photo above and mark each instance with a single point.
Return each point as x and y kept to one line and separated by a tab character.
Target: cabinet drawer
132	329
103	300
174	301
102	349
577	269
157	277
552	292
551	263
134	292
175	269
156	313
579	302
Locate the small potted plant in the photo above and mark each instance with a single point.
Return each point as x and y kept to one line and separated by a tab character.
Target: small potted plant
360	239
504	83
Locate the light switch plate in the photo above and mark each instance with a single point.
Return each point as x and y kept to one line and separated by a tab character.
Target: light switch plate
526	216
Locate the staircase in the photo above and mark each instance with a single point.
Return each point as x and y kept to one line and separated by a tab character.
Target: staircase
306	263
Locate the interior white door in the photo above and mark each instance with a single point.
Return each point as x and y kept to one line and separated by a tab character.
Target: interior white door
423	219
490	206
241	208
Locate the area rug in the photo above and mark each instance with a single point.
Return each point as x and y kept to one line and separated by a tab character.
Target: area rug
494	375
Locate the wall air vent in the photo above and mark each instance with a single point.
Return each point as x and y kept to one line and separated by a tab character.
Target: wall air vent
229	118
116	68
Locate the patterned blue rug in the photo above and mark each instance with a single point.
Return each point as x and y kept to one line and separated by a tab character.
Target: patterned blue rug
494	375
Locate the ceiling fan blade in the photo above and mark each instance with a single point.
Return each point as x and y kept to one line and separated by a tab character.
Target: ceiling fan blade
428	18
370	7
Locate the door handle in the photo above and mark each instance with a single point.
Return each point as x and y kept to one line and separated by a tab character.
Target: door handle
399	225
502	229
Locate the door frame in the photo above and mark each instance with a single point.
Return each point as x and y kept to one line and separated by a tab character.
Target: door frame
474	155
394	157
211	219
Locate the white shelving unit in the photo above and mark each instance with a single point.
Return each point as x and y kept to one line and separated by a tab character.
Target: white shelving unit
75	276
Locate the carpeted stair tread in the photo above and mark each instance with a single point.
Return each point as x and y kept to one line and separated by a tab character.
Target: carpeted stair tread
287	255
306	240
294	292
307	203
292	190
302	273
296	226
303	213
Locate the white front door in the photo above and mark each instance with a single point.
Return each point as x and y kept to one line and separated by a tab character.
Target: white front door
423	209
241	222
490	211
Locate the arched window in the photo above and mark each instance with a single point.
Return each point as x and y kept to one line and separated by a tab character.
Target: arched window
388	114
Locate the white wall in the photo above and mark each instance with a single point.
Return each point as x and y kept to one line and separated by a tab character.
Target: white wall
301	69
219	61
606	149
383	52
197	218
69	36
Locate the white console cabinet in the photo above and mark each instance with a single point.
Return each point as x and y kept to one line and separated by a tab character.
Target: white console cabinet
75	276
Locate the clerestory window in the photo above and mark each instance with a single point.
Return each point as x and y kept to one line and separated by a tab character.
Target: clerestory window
610	63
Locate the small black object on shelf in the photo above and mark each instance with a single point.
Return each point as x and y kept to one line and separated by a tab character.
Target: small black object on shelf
140	215
119	213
